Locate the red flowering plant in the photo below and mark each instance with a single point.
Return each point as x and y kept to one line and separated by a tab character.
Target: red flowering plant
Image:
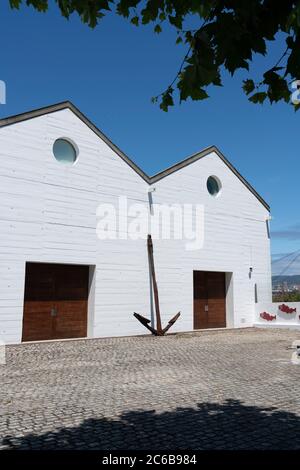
267	316
286	309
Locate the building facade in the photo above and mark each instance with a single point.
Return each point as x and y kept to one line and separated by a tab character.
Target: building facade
61	277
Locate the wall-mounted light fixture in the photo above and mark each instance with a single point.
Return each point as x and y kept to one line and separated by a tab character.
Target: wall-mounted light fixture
152	189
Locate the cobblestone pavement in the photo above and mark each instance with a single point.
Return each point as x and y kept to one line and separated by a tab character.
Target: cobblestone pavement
209	390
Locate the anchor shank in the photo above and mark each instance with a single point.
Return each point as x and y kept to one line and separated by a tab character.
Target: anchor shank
154	284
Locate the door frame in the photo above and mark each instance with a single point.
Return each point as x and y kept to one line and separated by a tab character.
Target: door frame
229	295
90	300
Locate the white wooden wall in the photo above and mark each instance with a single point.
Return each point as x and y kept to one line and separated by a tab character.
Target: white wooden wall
48	214
235	238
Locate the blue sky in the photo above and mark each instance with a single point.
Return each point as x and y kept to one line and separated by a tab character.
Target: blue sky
112	72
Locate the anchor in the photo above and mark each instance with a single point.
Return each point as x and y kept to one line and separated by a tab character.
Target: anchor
158	331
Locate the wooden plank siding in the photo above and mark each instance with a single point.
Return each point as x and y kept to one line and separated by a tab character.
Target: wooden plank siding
48	214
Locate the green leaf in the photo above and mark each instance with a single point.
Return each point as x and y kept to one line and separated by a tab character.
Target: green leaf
259	45
176	21
290	21
135	20
167	100
229	38
289	42
258	97
199	94
248	86
15	3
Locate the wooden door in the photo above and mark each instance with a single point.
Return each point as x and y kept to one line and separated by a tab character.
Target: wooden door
71	301
200	300
38	303
216	297
55	303
209	300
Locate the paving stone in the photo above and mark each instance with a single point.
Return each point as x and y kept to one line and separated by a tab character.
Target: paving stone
234	389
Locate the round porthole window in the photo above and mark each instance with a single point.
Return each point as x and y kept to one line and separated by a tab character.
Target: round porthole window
64	152
213	185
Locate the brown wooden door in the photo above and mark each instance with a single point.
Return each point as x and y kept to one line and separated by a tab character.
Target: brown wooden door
209	300
200	300
71	300
55	303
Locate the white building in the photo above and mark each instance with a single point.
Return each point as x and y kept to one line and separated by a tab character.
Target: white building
58	279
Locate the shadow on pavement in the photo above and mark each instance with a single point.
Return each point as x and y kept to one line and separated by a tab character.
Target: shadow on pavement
231	425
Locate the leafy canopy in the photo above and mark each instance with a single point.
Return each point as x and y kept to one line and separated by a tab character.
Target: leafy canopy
230	32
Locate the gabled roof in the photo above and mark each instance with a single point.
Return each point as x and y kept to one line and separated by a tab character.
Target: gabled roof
149	179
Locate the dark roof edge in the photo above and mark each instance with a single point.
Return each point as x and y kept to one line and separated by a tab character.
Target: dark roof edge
68	105
150	180
197	156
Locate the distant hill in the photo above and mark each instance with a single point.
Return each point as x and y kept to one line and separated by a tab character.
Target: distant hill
291	280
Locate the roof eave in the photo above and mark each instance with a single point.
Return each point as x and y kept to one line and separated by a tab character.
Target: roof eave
150	180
